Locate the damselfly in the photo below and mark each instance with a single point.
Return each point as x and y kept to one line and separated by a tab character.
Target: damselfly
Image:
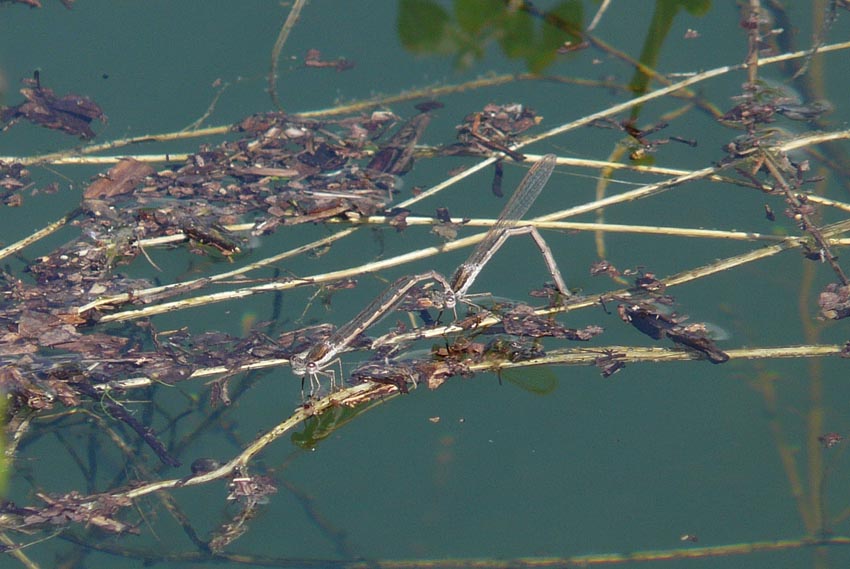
314	361
505	226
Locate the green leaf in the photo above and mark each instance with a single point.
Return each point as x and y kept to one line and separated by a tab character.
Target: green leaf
517	36
319	428
565	23
422	25
659	29
538	380
696	7
475	15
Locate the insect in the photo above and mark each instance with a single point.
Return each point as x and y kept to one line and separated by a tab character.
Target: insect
314	361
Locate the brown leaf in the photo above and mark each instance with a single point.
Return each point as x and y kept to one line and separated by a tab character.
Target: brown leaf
93	345
834	301
48	329
121	179
71	113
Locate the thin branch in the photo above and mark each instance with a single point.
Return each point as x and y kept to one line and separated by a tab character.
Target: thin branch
638	193
589	301
434	92
41	233
126	297
368	391
291	19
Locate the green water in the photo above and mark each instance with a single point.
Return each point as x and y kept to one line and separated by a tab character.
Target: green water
598	466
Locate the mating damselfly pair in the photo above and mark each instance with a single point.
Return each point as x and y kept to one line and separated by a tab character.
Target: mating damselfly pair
316	360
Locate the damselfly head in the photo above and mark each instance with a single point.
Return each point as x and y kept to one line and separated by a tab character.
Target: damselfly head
299	364
449	299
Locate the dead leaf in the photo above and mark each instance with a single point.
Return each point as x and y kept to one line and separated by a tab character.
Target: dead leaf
121	179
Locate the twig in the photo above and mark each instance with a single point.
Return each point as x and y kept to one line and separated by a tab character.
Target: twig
459	243
806	222
197	123
177	287
41	233
585	302
527	562
14	549
431	92
598	16
603	227
651	189
369	391
588	356
95	148
291	19
94	160
616	109
752	25
698	78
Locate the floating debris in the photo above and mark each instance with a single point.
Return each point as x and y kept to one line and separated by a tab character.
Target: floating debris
830	440
834	301
72	114
658	325
314	59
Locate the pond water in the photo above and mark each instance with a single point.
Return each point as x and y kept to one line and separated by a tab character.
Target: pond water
545	463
